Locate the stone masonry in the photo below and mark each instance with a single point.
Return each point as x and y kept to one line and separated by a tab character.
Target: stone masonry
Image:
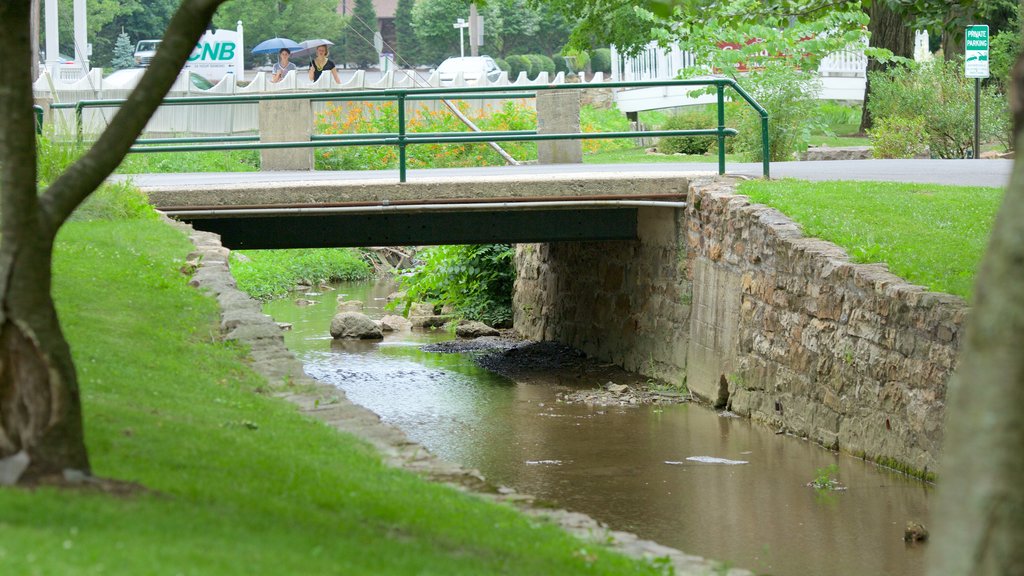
731	298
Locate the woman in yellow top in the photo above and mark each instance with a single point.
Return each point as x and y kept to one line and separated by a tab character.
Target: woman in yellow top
320	64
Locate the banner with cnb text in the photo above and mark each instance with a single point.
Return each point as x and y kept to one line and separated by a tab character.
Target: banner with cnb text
217	54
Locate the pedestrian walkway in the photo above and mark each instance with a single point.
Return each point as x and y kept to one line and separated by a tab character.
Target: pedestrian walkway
991	173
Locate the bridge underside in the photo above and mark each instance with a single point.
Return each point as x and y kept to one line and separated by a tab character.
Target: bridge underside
458	210
419	228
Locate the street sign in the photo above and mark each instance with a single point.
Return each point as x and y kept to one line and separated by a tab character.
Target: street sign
976	47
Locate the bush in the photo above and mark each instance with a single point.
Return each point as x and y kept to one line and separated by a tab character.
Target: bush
688	120
540	63
789	96
475	279
939	92
1005	48
898	137
601	60
571	61
516	65
502	64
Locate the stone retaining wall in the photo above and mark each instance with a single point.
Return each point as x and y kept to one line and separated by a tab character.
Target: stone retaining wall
731	298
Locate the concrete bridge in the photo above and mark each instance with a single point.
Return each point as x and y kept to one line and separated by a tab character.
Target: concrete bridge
662	270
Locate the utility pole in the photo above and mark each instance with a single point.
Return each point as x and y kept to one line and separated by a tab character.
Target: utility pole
474	31
34	35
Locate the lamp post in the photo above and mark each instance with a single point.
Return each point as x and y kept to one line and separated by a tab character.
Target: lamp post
461	24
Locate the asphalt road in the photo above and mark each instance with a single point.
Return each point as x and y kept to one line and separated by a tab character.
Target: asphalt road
992	173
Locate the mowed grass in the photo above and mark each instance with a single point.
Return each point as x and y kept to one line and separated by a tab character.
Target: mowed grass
928	234
237	482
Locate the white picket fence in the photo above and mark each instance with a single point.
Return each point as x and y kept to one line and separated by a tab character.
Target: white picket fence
842	73
241	118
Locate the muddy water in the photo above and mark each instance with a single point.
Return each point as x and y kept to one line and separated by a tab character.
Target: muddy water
627	467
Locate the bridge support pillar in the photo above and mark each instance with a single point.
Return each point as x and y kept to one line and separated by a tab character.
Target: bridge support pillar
286	121
558	112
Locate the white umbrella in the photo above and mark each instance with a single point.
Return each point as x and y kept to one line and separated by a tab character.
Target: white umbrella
309	47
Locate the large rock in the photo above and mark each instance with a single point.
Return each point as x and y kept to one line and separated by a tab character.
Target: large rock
354	326
475	330
839	153
394	323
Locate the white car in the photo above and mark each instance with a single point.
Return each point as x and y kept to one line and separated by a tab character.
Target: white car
473	68
144	52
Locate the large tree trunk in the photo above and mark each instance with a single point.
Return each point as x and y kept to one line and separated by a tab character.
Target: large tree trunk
40	412
887	31
40	408
980	512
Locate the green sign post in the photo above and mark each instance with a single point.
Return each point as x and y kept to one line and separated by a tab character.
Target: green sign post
976	66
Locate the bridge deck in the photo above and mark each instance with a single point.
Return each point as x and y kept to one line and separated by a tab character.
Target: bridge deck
534	203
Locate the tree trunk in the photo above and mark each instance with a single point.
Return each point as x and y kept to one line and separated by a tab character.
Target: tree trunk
887	31
953	34
980	504
40	407
40	412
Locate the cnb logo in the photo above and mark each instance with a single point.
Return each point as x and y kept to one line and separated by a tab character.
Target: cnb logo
213	51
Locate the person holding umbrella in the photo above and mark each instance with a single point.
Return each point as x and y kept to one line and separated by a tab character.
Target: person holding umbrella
282	66
321	63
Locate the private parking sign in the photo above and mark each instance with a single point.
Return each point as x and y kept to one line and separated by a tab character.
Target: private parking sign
976	47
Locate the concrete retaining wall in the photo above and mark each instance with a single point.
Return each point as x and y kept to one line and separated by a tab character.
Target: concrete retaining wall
730	297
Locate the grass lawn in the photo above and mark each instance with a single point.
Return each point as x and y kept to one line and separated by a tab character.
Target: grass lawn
930	235
237	481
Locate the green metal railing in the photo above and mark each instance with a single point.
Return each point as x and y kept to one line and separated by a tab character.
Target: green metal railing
402	139
38	110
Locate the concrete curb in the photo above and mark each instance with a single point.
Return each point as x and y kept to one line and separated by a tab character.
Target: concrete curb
243	321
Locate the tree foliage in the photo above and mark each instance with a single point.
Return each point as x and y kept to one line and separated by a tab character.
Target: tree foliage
296	19
123	53
359	34
407	45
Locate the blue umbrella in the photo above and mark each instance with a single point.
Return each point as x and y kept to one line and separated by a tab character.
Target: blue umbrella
274	45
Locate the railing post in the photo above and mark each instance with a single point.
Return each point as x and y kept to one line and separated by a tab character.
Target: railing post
558	112
766	150
78	123
720	88
39	118
401	136
286	121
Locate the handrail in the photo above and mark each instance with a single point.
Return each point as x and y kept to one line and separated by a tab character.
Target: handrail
38	110
403	139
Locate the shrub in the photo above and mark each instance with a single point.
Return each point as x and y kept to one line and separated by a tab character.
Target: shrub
516	65
601	60
688	120
540	63
571	61
502	64
1005	48
898	137
939	92
789	96
475	279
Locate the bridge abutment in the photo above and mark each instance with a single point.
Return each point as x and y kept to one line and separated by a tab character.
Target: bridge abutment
730	298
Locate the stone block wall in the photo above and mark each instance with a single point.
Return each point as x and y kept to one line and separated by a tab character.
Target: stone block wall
846	354
730	298
623	301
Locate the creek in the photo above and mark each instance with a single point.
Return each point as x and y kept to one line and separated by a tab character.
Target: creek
626	466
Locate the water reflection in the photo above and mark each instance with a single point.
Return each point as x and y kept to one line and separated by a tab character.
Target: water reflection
611	462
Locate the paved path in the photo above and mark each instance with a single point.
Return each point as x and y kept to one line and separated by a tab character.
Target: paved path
994	173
